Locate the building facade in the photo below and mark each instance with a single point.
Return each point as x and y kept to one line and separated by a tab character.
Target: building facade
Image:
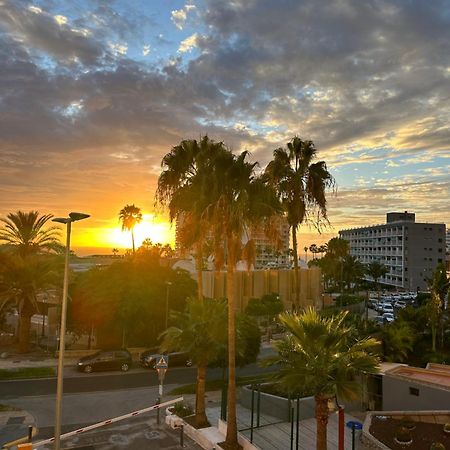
410	250
270	252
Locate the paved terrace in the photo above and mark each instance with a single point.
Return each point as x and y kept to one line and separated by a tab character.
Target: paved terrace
275	435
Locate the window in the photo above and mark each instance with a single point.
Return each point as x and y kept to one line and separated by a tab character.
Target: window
414	391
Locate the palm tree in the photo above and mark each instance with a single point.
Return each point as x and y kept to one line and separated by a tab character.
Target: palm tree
322	355
353	270
185	186
305	248
338	247
398	340
26	266
24	233
301	186
376	270
199	332
130	216
243	200
440	288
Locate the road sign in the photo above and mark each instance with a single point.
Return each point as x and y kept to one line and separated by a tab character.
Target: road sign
163	362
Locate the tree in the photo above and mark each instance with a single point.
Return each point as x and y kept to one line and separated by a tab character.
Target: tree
305	248
377	270
185	186
130	216
267	307
353	270
243	200
27	234
301	186
439	286
199	331
434	317
127	299
337	247
398	340
322	355
27	265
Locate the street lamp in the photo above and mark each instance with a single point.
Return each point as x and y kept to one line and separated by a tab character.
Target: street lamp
73	217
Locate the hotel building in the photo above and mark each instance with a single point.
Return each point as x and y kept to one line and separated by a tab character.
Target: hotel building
410	250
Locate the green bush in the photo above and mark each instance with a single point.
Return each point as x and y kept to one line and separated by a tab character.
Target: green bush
348	299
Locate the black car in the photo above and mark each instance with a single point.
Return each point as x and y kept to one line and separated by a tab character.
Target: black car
149	359
106	360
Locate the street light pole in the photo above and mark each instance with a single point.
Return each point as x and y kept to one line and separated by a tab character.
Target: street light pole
73	217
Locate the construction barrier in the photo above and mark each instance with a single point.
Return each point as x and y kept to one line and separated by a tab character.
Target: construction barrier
107	422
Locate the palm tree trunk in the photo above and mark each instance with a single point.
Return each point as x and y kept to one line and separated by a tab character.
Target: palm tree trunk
132	240
24	332
200	414
296	274
199	268
231	438
322	421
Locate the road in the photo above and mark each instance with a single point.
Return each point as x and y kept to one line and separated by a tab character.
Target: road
75	382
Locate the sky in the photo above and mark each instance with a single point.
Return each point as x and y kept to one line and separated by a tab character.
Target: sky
93	93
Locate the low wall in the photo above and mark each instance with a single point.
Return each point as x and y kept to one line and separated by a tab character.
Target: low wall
278	407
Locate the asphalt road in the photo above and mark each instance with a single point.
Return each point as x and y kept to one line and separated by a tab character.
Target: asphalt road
109	381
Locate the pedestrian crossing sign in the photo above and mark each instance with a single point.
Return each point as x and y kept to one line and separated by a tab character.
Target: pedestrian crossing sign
163	362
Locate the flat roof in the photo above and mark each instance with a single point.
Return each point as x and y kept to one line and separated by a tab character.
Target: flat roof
432	375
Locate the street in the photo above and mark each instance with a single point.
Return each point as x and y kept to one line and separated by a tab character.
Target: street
97	397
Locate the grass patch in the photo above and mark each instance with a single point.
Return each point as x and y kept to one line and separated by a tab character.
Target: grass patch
8	408
217	385
27	372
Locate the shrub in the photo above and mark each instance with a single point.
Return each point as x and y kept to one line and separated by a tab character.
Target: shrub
182	409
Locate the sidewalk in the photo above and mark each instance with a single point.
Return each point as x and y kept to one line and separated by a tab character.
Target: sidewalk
14	425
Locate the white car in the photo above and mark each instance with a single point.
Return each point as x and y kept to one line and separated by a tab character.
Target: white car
400	304
388	317
387	308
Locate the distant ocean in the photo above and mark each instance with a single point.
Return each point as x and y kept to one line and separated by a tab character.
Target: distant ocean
88	251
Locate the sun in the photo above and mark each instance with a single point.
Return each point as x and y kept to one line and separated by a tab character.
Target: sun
151	227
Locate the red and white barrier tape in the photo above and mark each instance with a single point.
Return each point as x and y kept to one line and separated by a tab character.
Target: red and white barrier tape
107	422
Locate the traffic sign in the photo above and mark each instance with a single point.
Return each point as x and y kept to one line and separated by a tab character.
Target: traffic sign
163	362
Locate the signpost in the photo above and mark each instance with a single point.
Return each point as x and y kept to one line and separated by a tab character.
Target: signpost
161	369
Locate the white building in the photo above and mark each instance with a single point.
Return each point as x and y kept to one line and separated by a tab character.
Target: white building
410	250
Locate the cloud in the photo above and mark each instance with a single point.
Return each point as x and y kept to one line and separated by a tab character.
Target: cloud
189	43
367	81
179	16
38	30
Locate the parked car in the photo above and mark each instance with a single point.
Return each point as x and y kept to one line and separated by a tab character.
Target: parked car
388	317
387	308
106	360
379	320
150	359
400	304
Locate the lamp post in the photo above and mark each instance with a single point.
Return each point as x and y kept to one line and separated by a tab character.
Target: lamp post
168	284
73	217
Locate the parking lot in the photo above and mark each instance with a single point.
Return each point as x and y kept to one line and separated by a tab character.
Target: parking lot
387	305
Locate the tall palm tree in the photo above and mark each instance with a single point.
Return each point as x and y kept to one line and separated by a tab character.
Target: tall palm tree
353	270
26	268
185	186
199	332
305	248
243	200
130	216
322	355
337	247
301	186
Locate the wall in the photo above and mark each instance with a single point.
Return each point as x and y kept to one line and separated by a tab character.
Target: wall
255	284
396	395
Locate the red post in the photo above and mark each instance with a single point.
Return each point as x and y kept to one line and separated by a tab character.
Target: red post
341	428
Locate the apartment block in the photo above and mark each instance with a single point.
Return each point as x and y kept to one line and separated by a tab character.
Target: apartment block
410	250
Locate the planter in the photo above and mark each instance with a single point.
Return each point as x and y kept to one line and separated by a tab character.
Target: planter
403	437
446	427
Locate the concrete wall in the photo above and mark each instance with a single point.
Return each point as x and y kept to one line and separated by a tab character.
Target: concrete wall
397	396
255	284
